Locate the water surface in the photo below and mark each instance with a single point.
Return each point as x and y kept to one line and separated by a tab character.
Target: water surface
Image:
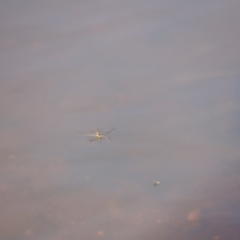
165	74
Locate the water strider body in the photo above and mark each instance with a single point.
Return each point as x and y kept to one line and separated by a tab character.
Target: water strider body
97	135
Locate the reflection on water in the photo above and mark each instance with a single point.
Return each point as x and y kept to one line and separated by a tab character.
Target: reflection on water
165	74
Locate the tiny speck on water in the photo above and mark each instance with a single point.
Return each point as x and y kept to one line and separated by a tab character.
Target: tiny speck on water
156	183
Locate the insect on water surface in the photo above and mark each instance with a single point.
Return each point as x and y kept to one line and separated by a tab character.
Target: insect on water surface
97	135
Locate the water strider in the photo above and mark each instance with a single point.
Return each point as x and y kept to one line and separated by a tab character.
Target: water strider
97	135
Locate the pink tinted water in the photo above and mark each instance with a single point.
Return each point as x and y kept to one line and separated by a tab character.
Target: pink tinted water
165	74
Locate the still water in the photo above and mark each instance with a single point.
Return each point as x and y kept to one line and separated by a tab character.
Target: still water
165	74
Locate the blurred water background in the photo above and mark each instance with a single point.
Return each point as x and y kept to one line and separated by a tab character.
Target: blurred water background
165	74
